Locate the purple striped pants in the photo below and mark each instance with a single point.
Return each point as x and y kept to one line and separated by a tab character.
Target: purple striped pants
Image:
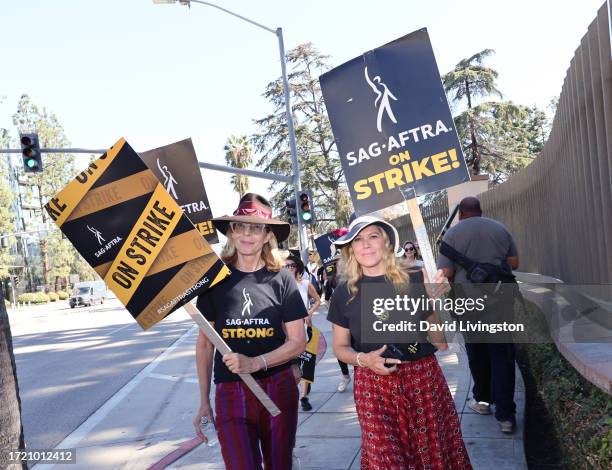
246	429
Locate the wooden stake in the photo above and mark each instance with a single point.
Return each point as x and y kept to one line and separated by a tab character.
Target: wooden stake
436	337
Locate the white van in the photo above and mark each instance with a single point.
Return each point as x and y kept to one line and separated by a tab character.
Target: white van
88	293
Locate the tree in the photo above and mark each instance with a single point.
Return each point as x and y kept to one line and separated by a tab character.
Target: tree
471	79
321	171
81	268
538	128
11	428
498	137
508	135
58	167
7	218
62	255
239	154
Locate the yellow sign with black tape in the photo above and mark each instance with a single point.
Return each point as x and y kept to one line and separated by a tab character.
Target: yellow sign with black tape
128	227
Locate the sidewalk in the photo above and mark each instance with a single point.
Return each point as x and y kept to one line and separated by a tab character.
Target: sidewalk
151	416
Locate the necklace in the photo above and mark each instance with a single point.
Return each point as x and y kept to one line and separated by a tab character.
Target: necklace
260	264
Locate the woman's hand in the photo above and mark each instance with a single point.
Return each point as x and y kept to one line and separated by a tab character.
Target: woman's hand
438	289
374	360
297	373
204	411
440	286
241	364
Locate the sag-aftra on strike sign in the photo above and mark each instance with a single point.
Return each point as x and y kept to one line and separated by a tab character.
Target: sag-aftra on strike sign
392	123
124	223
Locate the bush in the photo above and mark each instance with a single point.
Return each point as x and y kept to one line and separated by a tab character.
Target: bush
63	295
33	297
580	412
53	297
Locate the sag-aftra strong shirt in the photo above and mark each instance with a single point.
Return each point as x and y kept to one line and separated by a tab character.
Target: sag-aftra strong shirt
249	310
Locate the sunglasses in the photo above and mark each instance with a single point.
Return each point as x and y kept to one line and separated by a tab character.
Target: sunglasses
241	227
410	249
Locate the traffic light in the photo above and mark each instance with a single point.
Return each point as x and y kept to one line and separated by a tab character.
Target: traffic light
306	207
291	211
30	153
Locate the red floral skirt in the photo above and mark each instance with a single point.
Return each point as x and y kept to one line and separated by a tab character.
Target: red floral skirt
408	419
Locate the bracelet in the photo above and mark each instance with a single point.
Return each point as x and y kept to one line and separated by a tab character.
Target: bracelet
357	358
264	361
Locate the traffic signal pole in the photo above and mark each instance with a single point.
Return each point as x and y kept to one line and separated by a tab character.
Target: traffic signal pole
295	166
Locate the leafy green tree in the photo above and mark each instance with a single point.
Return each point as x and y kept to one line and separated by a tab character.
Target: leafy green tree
82	268
239	154
7	218
58	168
61	254
471	79
538	128
319	161
506	136
498	137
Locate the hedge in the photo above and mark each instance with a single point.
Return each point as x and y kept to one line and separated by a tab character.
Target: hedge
53	297
33	297
580	412
63	295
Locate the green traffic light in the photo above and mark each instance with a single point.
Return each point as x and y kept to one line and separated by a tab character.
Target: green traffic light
32	163
306	216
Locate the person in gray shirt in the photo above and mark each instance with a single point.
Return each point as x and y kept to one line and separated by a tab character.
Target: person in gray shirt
492	365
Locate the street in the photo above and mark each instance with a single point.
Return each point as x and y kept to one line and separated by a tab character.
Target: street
71	361
137	407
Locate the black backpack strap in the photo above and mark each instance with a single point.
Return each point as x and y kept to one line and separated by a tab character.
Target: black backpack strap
452	254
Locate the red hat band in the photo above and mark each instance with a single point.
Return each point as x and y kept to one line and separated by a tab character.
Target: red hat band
248	208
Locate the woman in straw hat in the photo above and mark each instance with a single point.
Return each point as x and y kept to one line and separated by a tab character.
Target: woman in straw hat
260	314
406	412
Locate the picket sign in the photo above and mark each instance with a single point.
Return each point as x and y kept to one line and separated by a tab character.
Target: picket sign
223	348
132	231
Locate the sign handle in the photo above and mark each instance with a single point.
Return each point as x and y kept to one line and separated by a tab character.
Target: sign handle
436	337
420	230
223	348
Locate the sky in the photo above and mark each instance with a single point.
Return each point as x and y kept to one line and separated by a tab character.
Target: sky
156	74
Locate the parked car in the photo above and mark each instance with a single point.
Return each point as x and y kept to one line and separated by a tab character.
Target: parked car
88	293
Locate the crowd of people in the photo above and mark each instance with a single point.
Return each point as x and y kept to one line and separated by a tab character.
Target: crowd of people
406	413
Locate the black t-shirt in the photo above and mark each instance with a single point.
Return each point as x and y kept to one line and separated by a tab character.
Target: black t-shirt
249	310
347	314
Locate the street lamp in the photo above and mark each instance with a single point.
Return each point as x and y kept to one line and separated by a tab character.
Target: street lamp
278	32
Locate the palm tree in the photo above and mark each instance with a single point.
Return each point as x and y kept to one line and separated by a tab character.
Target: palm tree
239	154
468	80
11	429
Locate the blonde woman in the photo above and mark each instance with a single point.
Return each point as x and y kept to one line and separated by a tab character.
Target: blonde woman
258	310
405	410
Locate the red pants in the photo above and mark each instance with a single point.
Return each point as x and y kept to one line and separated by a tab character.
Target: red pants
408	419
244	425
